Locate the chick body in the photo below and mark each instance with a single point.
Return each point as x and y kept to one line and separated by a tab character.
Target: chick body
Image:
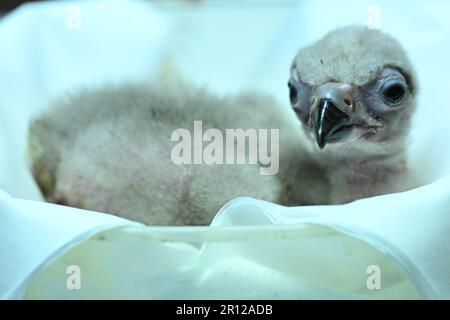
109	149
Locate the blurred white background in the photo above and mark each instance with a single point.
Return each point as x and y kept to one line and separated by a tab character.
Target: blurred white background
50	48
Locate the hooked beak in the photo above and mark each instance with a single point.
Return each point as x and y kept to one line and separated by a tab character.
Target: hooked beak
331	113
329	122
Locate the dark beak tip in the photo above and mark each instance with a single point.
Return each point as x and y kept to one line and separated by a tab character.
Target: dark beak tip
321	141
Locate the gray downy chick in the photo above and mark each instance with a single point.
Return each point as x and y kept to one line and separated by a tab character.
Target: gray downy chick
352	96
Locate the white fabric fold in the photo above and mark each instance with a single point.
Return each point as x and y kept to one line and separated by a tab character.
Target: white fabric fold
253	249
413	227
33	233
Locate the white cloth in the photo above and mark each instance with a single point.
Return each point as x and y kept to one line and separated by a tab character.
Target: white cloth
253	249
34	232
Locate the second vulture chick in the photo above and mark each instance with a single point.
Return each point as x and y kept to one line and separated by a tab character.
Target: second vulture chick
353	92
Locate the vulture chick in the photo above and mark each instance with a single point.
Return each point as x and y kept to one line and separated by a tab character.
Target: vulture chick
352	96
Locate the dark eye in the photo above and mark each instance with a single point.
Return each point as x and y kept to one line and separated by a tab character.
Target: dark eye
394	94
293	93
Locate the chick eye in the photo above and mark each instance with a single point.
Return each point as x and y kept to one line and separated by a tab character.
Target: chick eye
394	94
293	93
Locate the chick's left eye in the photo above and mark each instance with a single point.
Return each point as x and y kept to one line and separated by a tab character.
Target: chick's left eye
293	93
394	94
